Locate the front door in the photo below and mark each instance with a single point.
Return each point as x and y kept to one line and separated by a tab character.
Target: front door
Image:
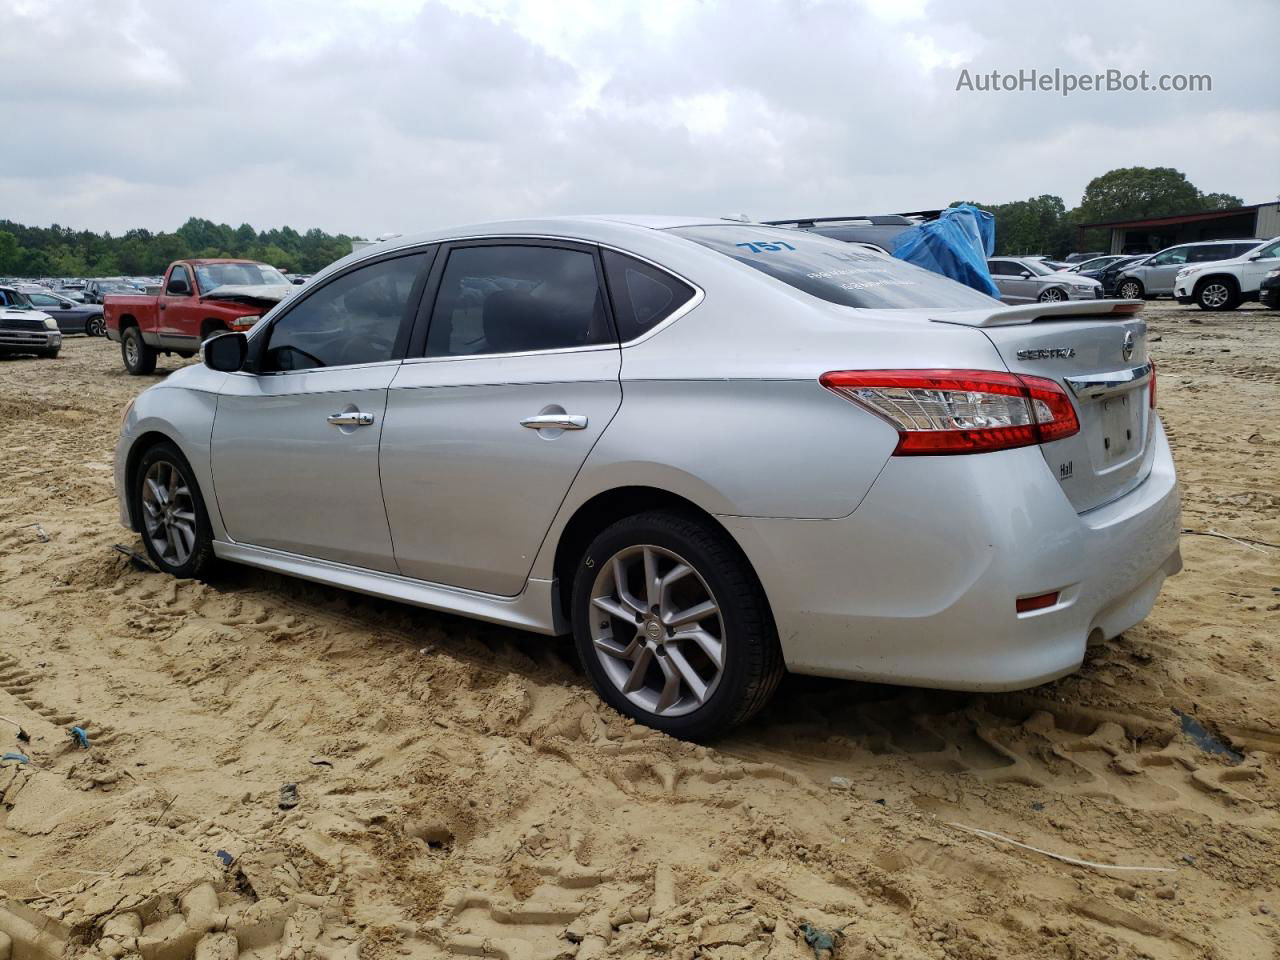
295	438
1013	287
1160	271
178	309
486	429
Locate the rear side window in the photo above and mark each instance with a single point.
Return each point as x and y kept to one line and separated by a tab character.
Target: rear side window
513	298
356	318
643	296
833	271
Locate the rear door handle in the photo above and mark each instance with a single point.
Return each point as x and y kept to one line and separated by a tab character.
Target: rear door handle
555	421
353	419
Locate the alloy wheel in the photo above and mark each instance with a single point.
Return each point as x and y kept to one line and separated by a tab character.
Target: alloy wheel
169	513
1215	295
657	630
131	350
1053	295
1129	291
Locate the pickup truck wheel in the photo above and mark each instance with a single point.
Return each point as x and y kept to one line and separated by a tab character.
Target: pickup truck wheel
139	359
1217	294
171	513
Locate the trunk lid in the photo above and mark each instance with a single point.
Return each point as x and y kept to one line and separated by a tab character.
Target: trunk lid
1098	353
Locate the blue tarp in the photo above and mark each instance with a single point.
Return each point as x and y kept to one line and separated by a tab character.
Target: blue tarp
955	245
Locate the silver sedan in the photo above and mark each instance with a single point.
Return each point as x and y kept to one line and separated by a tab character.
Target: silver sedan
1029	280
713	451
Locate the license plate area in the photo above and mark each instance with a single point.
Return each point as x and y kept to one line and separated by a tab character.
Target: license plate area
1118	428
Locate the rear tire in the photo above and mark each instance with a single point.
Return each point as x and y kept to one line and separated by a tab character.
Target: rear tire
170	512
693	679
1129	290
95	327
1217	294
139	359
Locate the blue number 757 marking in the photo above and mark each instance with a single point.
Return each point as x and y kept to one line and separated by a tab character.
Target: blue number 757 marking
760	245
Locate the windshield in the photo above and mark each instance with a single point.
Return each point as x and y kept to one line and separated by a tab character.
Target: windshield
211	276
1037	267
837	272
15	300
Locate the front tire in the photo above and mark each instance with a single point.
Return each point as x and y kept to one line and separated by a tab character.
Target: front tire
672	626
1053	295
48	354
139	359
171	513
1215	294
1129	290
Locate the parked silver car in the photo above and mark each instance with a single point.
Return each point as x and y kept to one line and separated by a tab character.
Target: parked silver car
1156	275
712	450
1031	280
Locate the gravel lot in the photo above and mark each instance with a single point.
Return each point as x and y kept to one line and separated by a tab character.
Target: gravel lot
462	792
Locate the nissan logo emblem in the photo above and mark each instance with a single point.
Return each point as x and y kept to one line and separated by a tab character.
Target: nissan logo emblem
1126	349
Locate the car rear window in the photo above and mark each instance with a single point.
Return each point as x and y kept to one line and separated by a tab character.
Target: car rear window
834	271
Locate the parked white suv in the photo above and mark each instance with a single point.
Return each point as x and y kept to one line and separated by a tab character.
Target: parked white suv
1225	284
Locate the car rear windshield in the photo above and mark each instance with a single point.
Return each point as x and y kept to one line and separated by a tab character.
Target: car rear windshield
834	271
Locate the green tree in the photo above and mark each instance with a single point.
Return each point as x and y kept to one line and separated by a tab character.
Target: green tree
10	252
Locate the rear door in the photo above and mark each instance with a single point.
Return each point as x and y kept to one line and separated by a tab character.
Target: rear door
1103	364
506	390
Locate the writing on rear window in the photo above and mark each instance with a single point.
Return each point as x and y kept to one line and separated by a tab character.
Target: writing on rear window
762	246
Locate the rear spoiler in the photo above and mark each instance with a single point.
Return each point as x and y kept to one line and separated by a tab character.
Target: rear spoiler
1031	312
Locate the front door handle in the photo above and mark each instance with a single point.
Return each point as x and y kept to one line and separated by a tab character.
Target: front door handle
352	419
555	421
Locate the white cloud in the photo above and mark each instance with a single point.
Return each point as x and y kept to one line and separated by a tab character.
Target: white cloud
376	115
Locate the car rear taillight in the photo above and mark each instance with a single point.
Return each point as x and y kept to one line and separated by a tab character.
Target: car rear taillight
960	411
1151	385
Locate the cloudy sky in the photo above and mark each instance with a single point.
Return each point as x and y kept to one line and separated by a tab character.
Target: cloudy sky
368	116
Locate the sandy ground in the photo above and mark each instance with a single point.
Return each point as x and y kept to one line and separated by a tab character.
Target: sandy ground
462	792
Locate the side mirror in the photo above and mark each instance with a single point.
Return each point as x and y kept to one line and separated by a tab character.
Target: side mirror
1025	274
226	352
1257	256
178	288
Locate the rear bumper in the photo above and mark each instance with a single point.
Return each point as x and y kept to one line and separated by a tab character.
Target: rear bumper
918	585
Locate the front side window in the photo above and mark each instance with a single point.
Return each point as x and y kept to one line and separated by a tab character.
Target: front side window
1176	255
1003	268
833	271
44	300
179	282
500	298
643	296
356	318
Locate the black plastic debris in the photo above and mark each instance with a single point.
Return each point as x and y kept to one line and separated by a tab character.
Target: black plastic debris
289	797
1205	740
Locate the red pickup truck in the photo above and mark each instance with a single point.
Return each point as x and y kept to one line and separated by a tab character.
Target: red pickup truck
199	298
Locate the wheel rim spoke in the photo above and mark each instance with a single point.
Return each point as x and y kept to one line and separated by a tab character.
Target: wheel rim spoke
692	615
652	582
709	645
620	586
670	692
688	676
640	666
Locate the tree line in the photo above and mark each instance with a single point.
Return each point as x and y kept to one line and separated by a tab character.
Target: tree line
1044	225
1037	225
58	251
